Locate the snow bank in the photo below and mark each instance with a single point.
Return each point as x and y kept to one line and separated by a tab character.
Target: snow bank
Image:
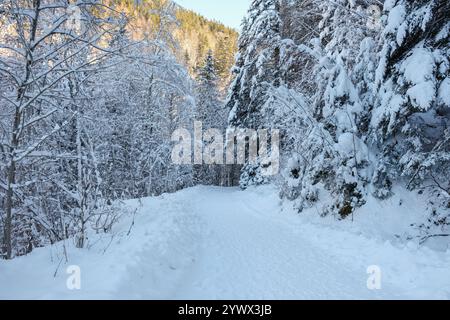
148	262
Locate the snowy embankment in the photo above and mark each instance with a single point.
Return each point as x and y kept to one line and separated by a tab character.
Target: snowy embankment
214	243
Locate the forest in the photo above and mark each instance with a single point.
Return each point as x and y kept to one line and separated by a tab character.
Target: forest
361	93
91	92
88	106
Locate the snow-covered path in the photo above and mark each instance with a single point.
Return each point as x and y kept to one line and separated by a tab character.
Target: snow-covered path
250	251
215	243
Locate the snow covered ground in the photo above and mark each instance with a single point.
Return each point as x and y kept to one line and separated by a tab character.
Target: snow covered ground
215	243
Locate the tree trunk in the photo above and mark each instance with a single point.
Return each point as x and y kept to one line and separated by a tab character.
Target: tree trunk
9	204
81	200
11	171
15	137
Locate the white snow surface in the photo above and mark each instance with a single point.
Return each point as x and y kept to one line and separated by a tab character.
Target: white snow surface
216	243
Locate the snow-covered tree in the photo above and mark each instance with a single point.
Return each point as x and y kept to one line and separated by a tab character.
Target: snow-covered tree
257	71
368	109
147	98
87	115
211	112
39	53
410	119
257	63
209	108
327	107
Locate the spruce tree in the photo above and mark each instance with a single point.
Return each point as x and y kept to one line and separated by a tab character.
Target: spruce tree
211	112
257	65
223	54
209	106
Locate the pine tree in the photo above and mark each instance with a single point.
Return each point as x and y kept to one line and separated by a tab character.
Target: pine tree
202	50
211	112
207	94
257	65
257	72
223	56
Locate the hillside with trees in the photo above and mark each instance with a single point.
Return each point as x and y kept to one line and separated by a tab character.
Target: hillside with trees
192	35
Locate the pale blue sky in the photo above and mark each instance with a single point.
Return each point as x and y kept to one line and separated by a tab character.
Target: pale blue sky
229	12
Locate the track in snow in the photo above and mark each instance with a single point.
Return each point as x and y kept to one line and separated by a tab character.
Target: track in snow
216	243
250	251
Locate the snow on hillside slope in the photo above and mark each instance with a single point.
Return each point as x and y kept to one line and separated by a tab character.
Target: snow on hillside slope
215	243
